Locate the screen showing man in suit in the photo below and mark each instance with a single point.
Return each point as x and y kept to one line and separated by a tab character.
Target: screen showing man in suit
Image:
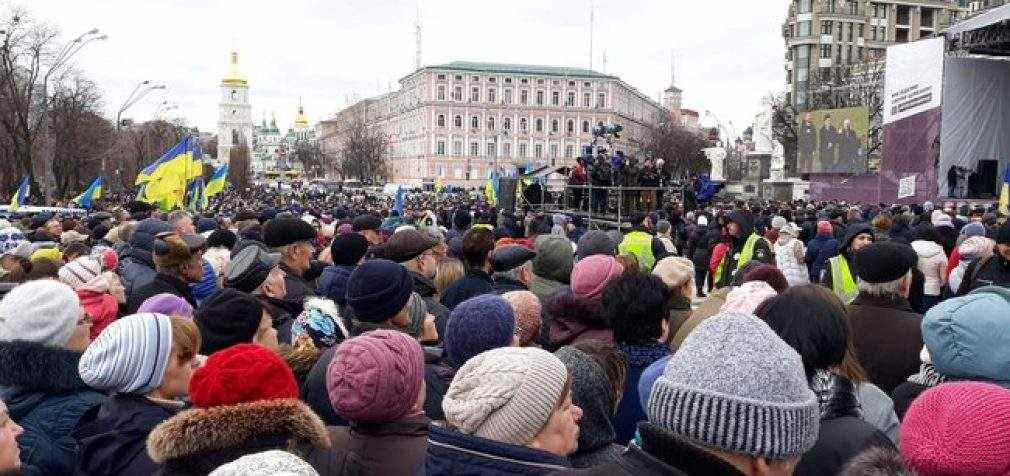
833	141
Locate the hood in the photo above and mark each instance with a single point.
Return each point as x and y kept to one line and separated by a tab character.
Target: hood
572	316
745	220
147	229
30	372
927	249
333	283
966	335
592	392
852	232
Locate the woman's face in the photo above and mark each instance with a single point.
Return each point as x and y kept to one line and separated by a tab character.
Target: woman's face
561	434
178	372
266	335
10	454
81	338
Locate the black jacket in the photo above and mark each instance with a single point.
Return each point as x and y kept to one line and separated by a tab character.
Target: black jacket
297	289
887	338
425	288
762	249
502	285
453	453
475	283
314	392
993	271
161	284
113	436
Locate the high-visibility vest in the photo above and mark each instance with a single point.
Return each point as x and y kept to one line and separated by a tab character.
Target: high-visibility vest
639	243
746	254
842	282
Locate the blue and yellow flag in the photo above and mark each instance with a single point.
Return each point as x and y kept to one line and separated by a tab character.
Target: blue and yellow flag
218	181
439	184
1004	195
20	197
166	181
94	192
197	196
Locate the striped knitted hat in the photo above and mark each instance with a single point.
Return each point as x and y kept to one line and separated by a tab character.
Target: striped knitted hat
736	386
129	356
80	271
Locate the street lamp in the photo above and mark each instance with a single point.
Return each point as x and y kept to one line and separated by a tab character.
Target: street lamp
138	93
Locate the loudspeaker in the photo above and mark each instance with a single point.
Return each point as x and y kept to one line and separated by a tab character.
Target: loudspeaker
507	194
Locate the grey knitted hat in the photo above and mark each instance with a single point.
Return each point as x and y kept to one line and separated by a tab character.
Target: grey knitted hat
506	394
595	242
42	311
736	386
129	356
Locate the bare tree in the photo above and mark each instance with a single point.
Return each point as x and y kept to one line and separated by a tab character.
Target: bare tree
679	147
310	155
784	123
80	135
364	150
139	145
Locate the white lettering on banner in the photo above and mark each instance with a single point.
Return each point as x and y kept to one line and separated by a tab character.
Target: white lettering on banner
906	187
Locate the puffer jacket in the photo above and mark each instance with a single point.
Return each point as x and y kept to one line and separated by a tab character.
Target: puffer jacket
46	396
933	264
819	251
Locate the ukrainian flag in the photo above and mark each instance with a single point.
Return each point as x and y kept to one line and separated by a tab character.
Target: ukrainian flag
197	195
1004	196
217	181
20	197
94	192
166	181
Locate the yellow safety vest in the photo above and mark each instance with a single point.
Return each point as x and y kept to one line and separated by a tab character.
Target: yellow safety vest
746	254
639	243
842	282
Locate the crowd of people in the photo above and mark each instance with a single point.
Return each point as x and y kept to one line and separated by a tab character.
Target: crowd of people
333	335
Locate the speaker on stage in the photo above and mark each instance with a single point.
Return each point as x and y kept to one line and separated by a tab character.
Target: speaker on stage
507	194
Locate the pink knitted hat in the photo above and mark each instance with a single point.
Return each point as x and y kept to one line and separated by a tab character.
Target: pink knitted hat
591	274
958	428
746	298
376	377
527	309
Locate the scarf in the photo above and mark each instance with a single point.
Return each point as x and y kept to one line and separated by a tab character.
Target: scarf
927	376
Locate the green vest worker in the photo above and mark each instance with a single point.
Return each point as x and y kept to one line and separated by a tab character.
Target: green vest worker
839	275
746	246
639	242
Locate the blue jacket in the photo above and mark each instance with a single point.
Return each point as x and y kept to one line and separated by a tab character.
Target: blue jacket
46	396
113	436
332	284
453	453
630	411
207	284
819	251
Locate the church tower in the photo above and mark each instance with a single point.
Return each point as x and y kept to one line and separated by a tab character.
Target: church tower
673	95
235	123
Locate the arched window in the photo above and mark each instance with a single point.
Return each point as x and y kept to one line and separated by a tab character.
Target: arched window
490	123
585	127
441	120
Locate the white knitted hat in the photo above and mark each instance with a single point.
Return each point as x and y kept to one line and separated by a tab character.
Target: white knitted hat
506	394
42	311
129	356
267	463
80	271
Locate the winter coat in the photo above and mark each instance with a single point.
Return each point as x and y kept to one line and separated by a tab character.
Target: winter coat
630	411
933	264
819	251
544	287
394	448
877	409
762	249
113	436
786	248
707	308
298	288
136	269
282	316
569	318
661	454
207	284
197	441
474	283
161	284
502	285
425	288
314	392
992	271
102	307
437	377
887	337
453	453
45	395
702	241
332	284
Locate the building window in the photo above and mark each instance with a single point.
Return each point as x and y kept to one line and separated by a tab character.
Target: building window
803	6
570	100
803	28
440	148
458	121
457	93
491	95
601	100
554	126
508	96
555	98
586	99
459	172
539	125
474	148
506	149
490	124
491	149
440	95
570	127
522	151
524	97
522	125
540	80
554	150
826	51
538	151
441	77
826	27
474	94
490	80
507	124
508	80
585	127
524	80
569	151
540	98
474	122
457	148
441	120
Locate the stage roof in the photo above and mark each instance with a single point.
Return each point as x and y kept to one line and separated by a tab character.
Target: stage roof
983	20
986	34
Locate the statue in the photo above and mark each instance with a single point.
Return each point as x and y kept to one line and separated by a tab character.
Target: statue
778	161
717	157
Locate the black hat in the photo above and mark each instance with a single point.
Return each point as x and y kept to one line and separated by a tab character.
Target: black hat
378	289
366	222
246	215
1003	235
283	231
97	218
885	261
249	268
348	249
509	257
409	244
226	318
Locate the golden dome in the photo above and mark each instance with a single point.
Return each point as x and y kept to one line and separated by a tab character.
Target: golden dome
234	76
301	121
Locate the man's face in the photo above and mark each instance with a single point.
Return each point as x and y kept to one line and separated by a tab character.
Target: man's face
426	263
861	241
193	271
185	226
54	228
1004	250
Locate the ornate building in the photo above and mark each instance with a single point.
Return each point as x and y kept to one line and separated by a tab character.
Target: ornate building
273	151
235	113
462	120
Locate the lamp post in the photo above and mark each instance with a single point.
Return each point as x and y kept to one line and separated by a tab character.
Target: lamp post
138	93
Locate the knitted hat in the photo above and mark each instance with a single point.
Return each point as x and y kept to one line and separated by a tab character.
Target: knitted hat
958	428
591	275
226	318
769	274
242	373
347	249
527	309
130	355
376	377
595	242
975	247
883	262
938	218
966	335
51	254
734	385
267	463
321	321
478	324
506	394
593	393
973	229
824	227
378	290
42	311
167	304
747	297
72	236
554	258
80	271
285	231
675	271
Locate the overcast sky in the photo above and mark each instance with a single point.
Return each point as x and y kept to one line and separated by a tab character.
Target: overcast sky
729	53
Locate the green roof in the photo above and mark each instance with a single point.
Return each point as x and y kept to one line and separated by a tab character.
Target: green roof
503	68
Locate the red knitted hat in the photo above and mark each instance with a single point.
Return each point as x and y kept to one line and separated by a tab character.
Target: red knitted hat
958	428
376	377
239	374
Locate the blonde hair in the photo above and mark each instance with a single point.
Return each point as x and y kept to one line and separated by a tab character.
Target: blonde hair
447	272
185	337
